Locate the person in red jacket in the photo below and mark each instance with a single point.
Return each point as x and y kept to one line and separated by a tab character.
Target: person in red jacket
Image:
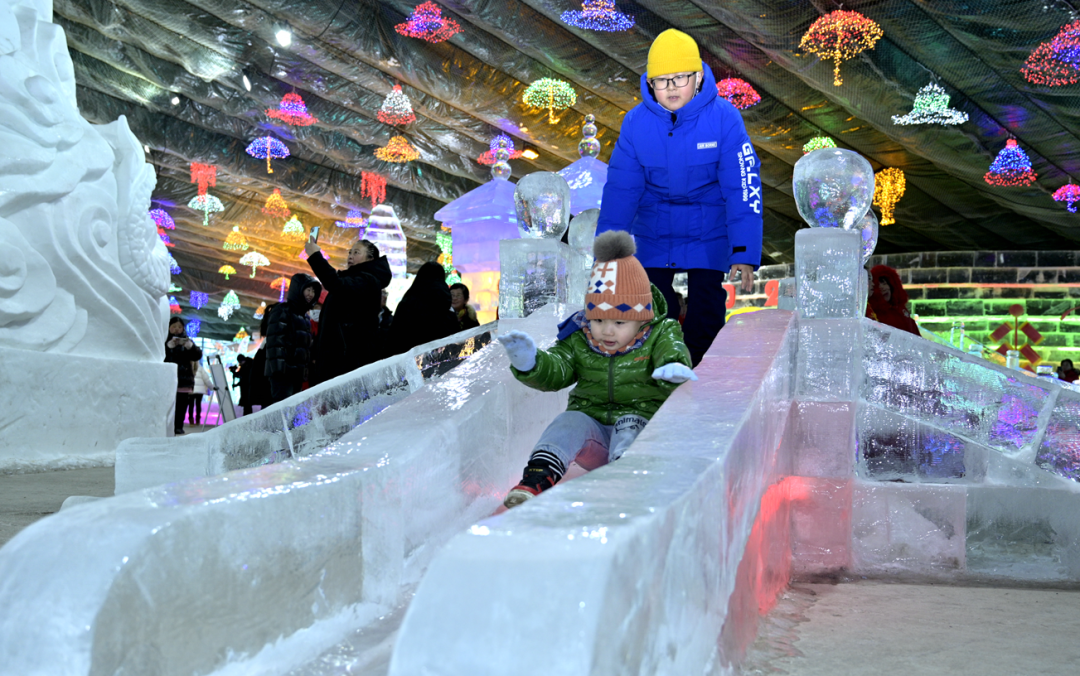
888	302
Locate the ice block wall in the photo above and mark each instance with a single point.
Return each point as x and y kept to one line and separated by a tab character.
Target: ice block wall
631	568
299	426
201	574
537	272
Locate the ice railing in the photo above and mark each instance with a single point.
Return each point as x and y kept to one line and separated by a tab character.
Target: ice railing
260	569
631	568
303	424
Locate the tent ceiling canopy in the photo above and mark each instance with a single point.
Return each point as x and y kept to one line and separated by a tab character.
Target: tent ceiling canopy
195	79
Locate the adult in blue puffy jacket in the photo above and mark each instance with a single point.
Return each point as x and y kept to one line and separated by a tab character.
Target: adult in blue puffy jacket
684	180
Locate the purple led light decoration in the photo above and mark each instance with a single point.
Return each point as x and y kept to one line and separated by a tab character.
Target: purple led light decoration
1057	62
1011	168
1070	194
292	110
198	299
174	267
738	92
598	15
162	218
355	219
488	158
267	148
193	327
427	23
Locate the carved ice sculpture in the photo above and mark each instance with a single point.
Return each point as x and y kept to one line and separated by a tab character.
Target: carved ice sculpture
83	274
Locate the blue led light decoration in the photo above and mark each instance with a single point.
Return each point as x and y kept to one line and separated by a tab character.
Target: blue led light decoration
174	267
488	157
1011	168
193	327
198	299
598	15
266	148
355	219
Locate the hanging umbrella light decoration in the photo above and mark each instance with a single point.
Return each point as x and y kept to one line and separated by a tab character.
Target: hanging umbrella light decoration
174	306
276	205
293	230
229	304
396	108
840	36
193	327
427	23
292	111
398	150
551	94
174	267
373	187
267	148
738	93
204	176
198	299
1056	63
260	311
355	219
488	156
235	241
227	270
889	186
281	284
1070	194
162	219
598	15
817	143
208	204
931	107
1011	168
256	260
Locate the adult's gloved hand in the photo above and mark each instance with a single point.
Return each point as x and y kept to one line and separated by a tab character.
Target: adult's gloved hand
674	373
521	349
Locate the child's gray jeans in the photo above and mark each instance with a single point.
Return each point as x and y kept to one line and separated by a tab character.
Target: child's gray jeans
576	436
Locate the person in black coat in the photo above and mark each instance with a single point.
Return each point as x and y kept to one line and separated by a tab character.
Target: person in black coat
424	313
181	350
349	321
288	337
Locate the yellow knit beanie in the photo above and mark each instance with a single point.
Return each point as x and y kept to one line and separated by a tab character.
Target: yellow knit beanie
673	52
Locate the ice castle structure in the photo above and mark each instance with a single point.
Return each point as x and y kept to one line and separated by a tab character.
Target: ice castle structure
83	274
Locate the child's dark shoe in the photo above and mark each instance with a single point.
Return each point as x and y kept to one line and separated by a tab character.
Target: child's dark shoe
538	477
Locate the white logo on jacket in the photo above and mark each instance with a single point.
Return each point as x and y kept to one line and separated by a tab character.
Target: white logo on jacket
747	161
706	144
603	277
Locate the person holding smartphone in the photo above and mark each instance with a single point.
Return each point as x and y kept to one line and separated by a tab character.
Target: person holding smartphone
182	351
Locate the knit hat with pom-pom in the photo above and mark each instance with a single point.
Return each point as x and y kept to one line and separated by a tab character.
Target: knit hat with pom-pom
619	287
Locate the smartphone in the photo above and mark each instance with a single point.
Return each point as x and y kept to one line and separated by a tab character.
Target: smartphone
313	236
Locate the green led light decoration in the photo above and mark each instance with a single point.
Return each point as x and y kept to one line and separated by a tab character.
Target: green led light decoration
208	204
551	94
444	241
931	107
817	143
293	230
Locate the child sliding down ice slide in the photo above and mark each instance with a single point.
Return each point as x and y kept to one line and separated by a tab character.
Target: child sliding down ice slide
623	352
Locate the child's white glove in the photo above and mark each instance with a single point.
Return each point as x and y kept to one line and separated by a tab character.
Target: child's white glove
521	349
674	373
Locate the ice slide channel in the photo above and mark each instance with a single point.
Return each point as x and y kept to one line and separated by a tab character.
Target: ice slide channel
299	426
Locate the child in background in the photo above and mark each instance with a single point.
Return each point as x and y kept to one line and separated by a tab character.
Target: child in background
624	354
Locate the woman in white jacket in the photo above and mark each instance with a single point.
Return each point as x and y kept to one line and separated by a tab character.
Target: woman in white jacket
203	385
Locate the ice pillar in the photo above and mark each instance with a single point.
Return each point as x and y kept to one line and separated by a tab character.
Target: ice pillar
536	272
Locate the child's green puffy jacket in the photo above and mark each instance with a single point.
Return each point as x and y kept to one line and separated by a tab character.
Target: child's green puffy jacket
609	387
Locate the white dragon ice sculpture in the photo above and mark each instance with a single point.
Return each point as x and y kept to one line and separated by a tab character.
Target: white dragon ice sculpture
82	270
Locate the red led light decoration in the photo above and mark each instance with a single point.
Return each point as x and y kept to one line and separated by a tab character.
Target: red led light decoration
738	92
1070	194
204	175
396	108
1011	168
373	186
1055	63
293	111
427	23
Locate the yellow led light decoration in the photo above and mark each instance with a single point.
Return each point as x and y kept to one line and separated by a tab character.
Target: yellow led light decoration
889	185
840	35
397	150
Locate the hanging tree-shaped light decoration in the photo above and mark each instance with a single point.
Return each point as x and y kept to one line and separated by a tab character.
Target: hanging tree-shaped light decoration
373	187
227	270
1070	194
174	306
276	205
208	204
267	148
193	327
931	107
488	157
427	23
817	143
174	288
738	92
1057	62
162	219
241	335
235	241
229	304
198	299
598	15
396	108
1011	168
551	94
174	267
293	111
840	35
203	175
256	260
355	219
281	284
889	185
293	230
397	150
260	311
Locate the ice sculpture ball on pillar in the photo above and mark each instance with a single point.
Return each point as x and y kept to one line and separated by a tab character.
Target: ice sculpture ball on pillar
587	176
83	271
833	188
539	269
478	220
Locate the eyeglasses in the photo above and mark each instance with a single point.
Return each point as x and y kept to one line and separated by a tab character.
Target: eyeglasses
675	81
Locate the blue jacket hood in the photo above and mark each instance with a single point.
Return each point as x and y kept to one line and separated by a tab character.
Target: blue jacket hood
702	100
